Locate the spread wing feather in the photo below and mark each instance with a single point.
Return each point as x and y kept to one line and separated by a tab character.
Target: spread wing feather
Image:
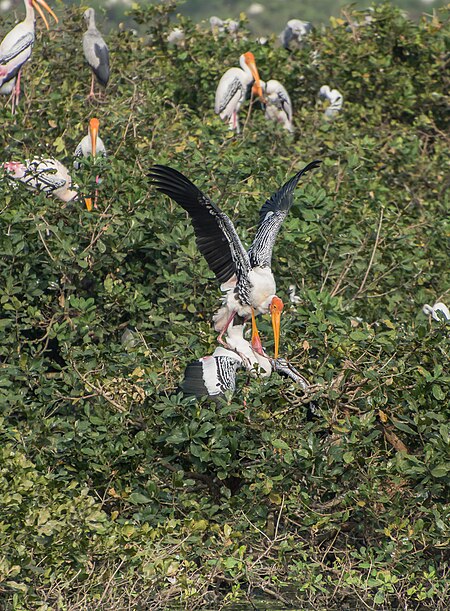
215	234
271	217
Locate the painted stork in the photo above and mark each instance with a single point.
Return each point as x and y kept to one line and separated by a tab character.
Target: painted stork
234	87
246	277
278	103
293	34
334	97
16	47
95	52
216	374
44	175
90	146
438	312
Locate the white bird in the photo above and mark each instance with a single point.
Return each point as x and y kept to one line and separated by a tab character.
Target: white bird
95	51
278	103
246	276
293	298
293	34
216	374
439	311
234	87
16	47
90	146
334	97
177	37
44	175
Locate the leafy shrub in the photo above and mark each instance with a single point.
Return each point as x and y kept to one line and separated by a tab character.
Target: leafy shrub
118	493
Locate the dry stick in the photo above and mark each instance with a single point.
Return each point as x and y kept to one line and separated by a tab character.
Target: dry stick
98	389
377	239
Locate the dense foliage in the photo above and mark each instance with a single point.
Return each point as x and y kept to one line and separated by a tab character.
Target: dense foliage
116	493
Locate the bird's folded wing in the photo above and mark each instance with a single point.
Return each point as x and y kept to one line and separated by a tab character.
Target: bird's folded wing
216	236
20	45
271	217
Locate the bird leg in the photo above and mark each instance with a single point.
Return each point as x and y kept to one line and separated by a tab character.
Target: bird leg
16	93
91	93
224	330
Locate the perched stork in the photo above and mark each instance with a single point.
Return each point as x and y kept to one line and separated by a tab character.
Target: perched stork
44	175
278	103
234	87
334	97
246	277
95	51
438	312
214	375
90	146
16	47
293	34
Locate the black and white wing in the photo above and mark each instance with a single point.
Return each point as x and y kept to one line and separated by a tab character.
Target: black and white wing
215	234
211	375
271	217
44	175
285	369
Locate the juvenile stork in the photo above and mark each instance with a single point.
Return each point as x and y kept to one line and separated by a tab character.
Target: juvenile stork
293	34
246	277
234	87
16	47
90	146
277	103
95	52
44	175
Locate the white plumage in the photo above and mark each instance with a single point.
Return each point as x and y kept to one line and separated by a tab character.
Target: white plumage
294	33
278	103
439	311
16	47
234	87
335	98
44	175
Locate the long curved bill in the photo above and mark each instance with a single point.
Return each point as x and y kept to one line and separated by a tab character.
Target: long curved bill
88	202
93	132
250	61
256	340
276	307
37	5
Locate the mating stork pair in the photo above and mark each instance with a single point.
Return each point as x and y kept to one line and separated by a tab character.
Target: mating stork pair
235	87
246	277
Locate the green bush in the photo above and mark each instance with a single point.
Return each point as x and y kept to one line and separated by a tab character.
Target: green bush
116	492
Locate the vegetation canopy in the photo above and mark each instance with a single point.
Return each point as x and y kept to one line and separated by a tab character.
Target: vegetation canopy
118	493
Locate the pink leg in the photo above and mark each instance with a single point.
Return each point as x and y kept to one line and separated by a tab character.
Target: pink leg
229	321
91	93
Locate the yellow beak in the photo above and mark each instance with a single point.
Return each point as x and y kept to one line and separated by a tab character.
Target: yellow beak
88	202
256	340
276	318
37	5
93	132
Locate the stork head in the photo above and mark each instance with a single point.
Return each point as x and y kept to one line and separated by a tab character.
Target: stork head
93	133
249	59
36	4
276	307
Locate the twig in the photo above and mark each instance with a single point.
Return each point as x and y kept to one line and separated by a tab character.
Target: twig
377	239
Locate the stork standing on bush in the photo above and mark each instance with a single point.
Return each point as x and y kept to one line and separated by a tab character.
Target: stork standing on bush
246	277
16	47
90	146
234	87
95	52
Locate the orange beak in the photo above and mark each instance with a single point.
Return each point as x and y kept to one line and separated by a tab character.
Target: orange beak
250	61
276	307
37	5
93	133
88	202
256	340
